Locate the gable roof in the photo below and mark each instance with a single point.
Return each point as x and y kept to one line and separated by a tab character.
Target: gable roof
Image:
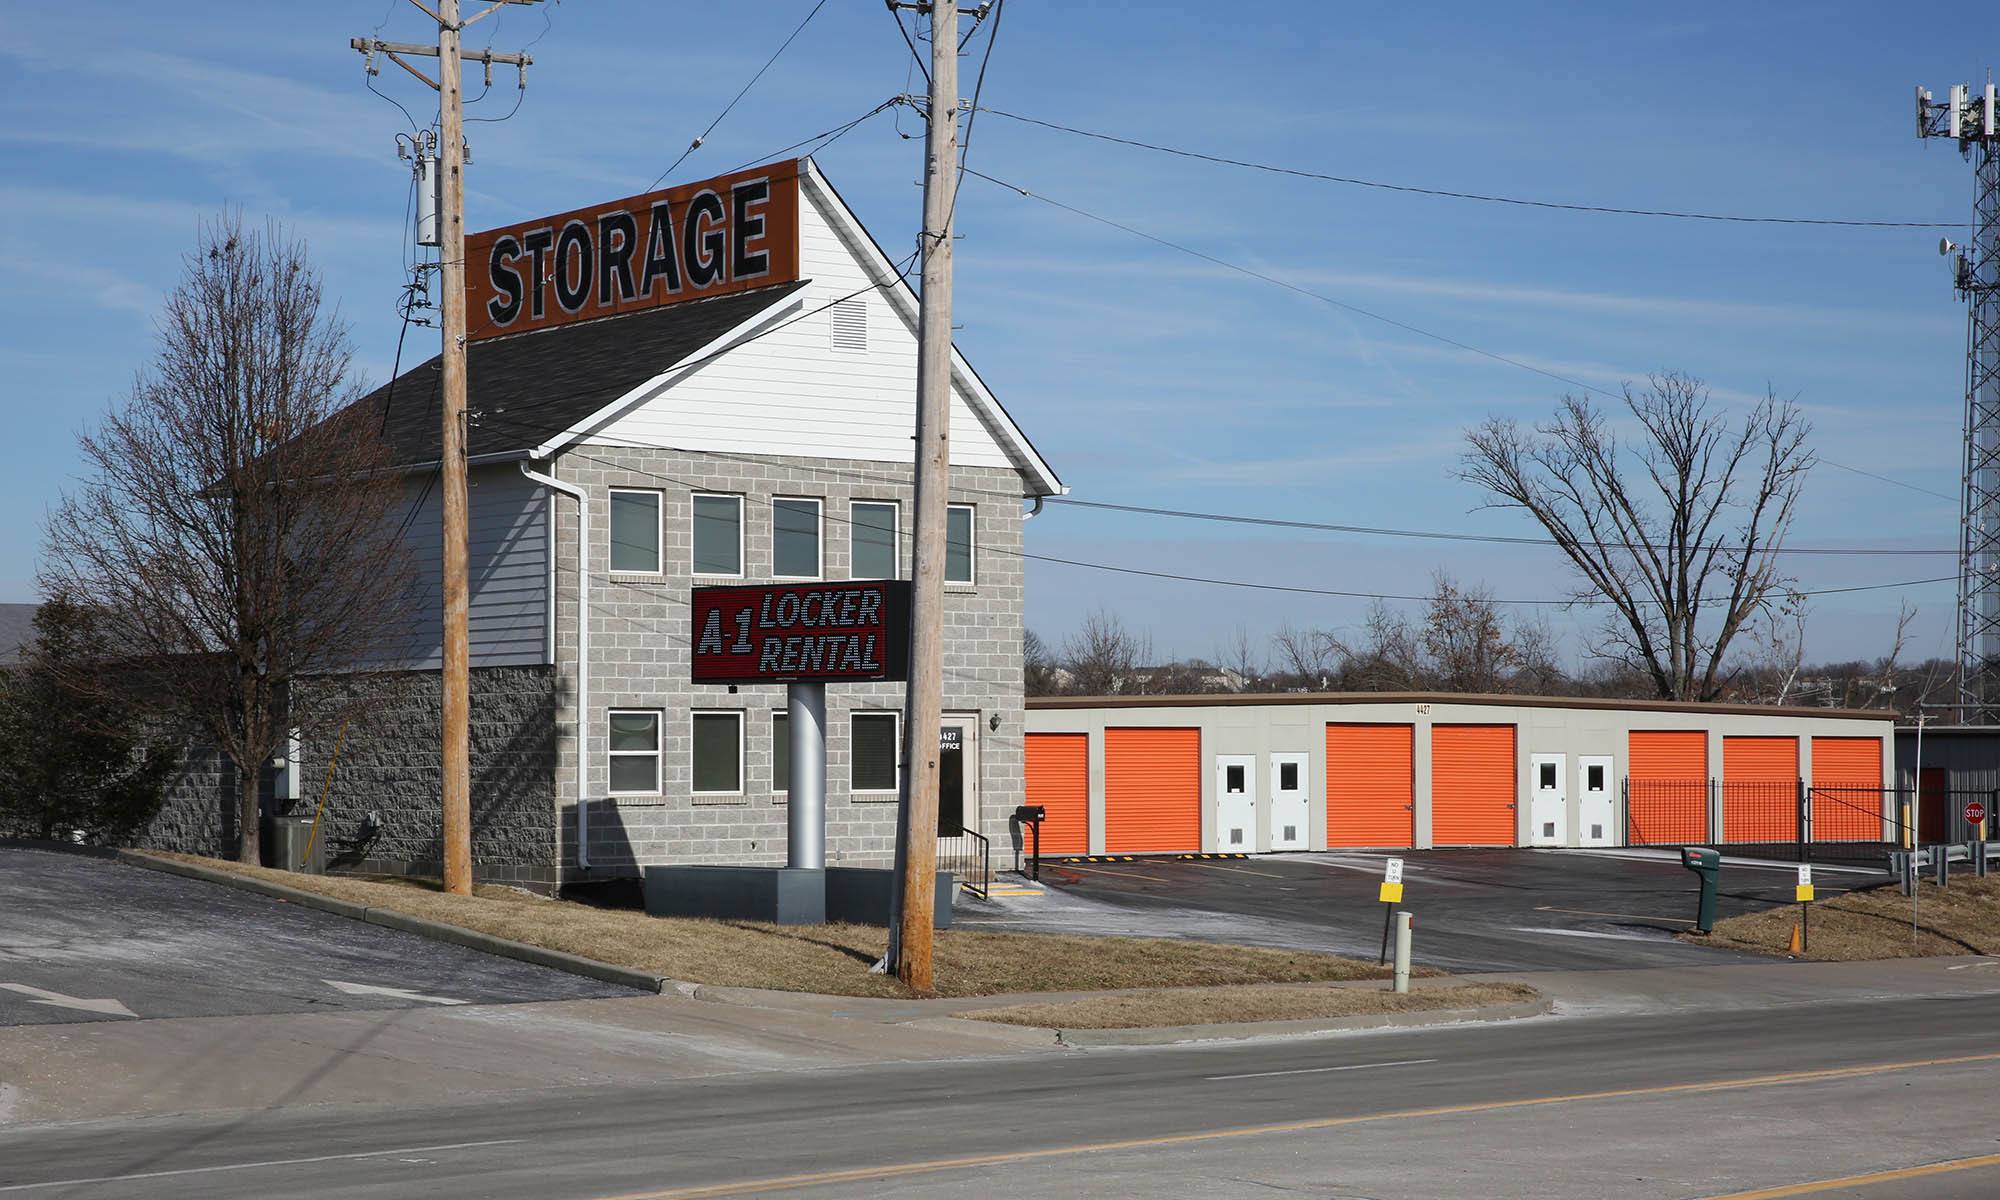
526	386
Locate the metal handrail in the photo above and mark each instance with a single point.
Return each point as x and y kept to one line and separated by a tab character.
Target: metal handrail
971	860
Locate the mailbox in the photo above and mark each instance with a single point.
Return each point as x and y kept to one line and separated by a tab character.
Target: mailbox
1032	815
1707	866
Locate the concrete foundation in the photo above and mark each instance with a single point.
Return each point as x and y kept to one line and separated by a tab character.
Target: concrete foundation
780	895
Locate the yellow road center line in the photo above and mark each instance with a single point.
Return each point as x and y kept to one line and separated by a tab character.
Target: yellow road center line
1001	1158
1873	1177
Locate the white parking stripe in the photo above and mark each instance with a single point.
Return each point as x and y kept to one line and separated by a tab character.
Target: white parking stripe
1401	1062
251	1166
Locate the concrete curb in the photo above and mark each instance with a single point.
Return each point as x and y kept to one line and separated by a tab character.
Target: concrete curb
1166	1035
471	939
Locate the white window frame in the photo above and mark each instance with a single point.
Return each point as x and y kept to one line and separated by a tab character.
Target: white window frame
741	536
895	508
971	547
895	741
656	753
737	713
819	535
659	531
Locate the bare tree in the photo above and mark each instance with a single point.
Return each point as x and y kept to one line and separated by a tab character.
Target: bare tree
229	536
1238	658
1103	656
1538	667
1039	672
1387	658
1306	658
1464	641
1678	528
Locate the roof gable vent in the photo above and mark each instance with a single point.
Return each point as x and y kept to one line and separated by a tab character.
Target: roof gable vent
850	324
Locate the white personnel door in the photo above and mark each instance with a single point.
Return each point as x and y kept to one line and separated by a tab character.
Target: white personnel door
1235	804
1548	813
1595	812
1291	801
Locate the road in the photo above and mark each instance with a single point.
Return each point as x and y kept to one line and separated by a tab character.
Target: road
89	939
1656	1107
1477	910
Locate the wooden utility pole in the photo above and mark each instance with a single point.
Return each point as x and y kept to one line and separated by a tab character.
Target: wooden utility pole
924	711
455	776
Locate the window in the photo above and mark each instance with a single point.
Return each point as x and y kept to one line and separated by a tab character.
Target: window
635	532
1288	777
958	544
718	535
1235	784
718	753
872	752
1549	776
795	539
781	752
635	752
872	549
1595	776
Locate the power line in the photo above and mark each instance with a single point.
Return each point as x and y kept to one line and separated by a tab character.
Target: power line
1440	535
742	92
1458	195
1356	309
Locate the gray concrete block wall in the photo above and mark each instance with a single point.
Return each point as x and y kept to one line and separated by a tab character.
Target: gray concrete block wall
199	812
640	657
389	766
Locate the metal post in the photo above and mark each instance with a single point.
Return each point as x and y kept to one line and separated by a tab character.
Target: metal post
1036	826
1388	918
805	818
1404	922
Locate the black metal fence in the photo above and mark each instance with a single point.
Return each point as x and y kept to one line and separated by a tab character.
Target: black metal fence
967	855
1784	819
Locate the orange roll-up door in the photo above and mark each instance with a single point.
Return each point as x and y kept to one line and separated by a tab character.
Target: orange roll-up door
1152	790
1369	785
1847	789
1059	781
1473	780
1760	789
1666	774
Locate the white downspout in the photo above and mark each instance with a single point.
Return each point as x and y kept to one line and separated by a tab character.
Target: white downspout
582	648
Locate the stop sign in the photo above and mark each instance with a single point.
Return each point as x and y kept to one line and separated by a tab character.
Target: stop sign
1975	812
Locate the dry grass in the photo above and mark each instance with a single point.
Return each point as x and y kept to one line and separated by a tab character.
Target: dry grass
1220	1005
832	959
1964	918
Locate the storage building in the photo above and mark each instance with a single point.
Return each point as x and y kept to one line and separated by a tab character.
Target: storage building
1260	773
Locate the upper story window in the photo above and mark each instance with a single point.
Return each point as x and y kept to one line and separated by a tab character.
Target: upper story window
872	543
958	544
718	535
635	531
795	538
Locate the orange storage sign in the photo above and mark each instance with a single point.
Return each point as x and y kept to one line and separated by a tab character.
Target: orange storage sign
1847	794
709	238
1666	793
1473	785
1152	790
1370	788
1059	781
1760	789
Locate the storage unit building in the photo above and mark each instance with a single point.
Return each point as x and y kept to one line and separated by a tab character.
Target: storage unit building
1257	773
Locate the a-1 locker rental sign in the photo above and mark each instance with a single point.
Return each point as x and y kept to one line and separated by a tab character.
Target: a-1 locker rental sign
727	234
782	633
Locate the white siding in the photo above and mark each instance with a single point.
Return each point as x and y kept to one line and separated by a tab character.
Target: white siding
791	393
508	567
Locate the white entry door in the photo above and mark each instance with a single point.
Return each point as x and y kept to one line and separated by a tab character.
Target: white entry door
1291	801
1548	808
1595	812
1236	804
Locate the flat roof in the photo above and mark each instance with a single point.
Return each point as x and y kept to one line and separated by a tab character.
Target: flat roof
1233	699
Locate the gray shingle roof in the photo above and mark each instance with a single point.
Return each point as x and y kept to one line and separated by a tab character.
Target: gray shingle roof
526	387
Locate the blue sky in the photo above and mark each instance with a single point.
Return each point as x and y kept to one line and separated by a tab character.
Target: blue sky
1144	376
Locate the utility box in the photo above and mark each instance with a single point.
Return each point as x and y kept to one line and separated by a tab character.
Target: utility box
1707	866
285	841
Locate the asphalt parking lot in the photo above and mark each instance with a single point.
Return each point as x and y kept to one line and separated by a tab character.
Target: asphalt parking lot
89	939
1476	910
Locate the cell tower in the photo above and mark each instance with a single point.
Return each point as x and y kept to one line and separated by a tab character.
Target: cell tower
1973	122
